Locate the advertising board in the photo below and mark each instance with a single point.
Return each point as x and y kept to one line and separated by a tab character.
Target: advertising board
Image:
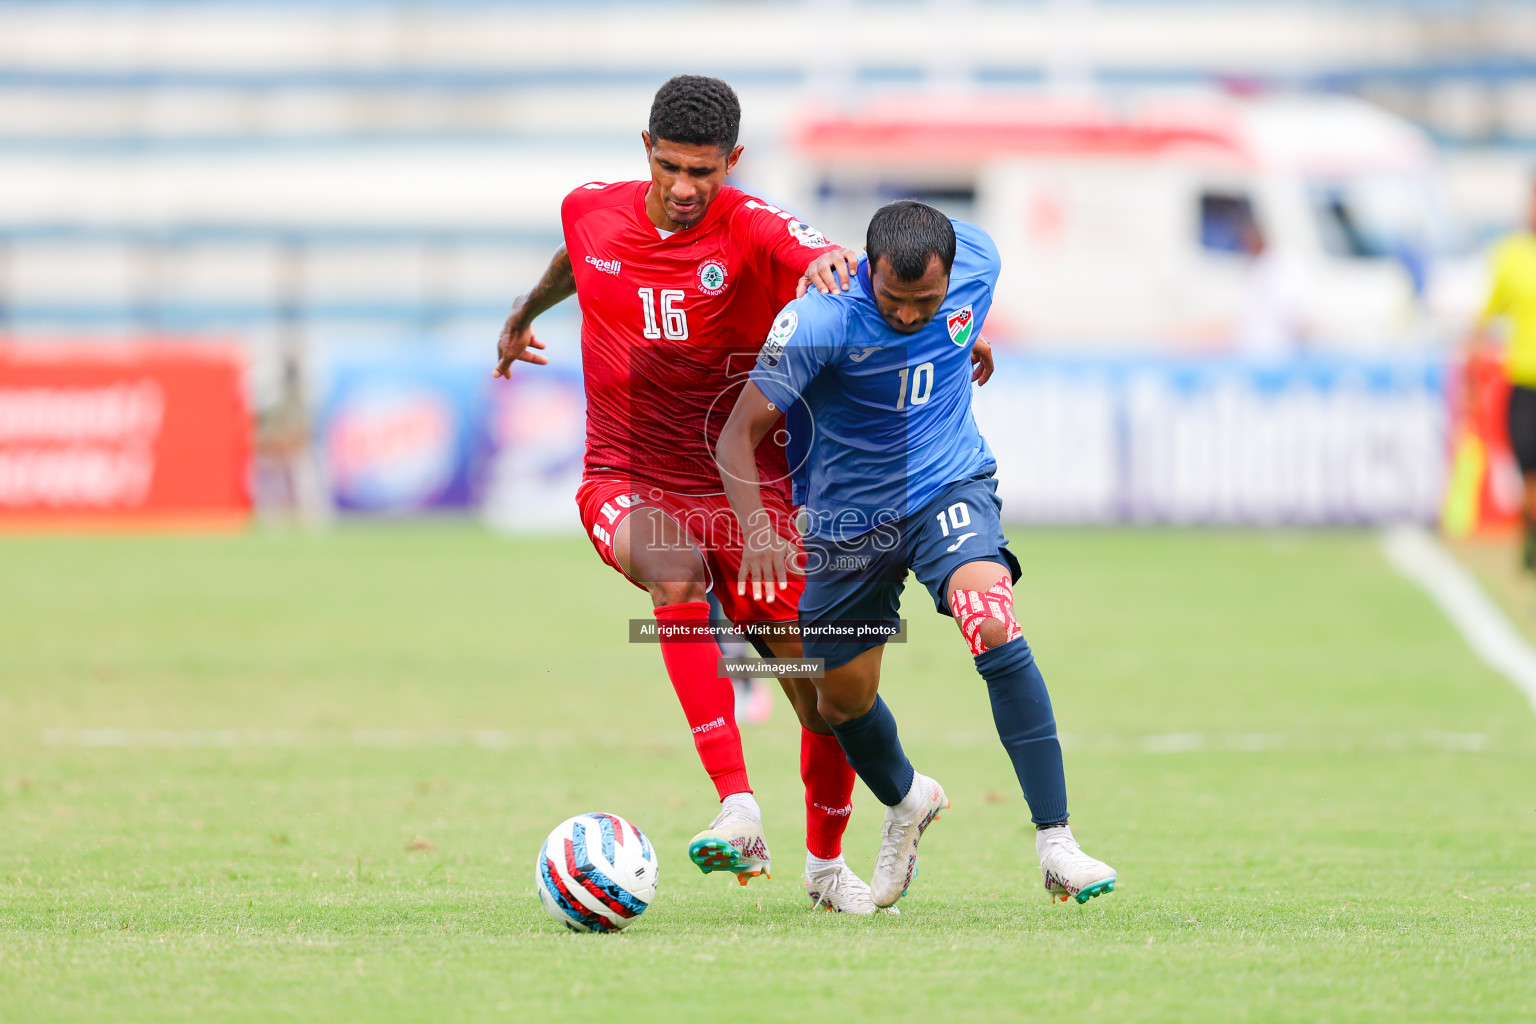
1306	442
406	435
114	435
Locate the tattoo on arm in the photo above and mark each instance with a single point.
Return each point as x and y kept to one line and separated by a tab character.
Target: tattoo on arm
557	284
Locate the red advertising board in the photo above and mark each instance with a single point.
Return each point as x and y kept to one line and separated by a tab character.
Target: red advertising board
150	435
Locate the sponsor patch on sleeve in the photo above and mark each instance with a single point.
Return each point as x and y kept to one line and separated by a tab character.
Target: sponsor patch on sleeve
783	329
807	235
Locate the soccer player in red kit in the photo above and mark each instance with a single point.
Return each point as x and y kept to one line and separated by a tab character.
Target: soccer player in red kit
676	275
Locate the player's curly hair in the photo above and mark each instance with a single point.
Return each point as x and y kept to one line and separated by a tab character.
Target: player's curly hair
697	111
909	234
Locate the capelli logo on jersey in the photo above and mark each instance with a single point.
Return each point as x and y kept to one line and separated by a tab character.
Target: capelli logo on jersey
606	266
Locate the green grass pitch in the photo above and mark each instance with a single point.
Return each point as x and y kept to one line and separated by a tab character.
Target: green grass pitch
280	778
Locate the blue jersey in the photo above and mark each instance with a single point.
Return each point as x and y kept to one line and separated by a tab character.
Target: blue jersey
883	423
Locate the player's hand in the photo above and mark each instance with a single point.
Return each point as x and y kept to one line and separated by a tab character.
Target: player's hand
981	358
767	559
517	343
830	272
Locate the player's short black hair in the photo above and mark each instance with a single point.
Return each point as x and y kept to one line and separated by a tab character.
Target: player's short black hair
909	234
697	111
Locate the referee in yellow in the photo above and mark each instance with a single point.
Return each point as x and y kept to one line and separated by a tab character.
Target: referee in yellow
1513	298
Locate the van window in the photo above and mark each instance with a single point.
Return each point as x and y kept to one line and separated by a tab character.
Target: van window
1342	231
1225	218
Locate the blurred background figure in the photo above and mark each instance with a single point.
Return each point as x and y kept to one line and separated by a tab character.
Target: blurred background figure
1511	303
287	474
1270	326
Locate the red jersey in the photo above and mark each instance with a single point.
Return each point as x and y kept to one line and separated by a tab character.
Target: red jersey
662	319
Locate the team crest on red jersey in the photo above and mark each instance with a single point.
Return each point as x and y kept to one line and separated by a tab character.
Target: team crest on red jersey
959	323
712	277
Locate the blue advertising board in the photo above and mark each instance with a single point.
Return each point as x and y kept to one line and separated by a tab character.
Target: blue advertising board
539	423
1311	441
406	434
1307	441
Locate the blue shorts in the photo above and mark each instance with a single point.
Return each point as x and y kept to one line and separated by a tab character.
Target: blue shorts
852	599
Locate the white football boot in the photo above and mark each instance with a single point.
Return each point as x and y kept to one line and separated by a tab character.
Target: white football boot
1068	872
896	864
733	842
838	889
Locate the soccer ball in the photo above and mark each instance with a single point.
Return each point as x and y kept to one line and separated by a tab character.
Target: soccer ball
596	873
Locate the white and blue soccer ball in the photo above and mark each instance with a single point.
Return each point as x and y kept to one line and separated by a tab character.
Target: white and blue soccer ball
596	873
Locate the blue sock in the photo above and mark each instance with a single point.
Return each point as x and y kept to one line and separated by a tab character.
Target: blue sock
874	750
1022	710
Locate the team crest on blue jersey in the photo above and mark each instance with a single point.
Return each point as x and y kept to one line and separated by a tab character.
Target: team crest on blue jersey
807	235
712	277
783	329
960	323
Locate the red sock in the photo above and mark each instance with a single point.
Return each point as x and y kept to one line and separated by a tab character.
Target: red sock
828	782
708	701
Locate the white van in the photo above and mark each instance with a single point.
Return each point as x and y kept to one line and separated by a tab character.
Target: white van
1129	223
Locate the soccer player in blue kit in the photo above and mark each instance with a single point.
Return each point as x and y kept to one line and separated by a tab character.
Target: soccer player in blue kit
894	475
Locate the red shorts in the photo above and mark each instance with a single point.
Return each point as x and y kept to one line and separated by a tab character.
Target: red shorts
709	522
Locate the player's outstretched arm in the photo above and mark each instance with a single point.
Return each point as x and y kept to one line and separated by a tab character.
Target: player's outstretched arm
767	557
557	284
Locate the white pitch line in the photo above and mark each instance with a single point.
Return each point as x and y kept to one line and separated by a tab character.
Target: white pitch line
1417	555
